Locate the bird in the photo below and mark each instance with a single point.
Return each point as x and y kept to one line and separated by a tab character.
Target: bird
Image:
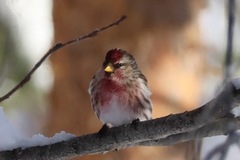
119	91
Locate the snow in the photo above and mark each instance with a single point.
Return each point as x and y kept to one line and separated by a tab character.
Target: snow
12	138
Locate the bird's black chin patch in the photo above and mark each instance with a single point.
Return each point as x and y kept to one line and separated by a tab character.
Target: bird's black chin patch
108	74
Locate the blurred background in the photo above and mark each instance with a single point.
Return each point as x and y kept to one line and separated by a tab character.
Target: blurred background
179	46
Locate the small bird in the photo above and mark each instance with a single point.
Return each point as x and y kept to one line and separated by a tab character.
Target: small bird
119	91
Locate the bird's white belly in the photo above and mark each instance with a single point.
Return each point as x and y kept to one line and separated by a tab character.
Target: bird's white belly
116	113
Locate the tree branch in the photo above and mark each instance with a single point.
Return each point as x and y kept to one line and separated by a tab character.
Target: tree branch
180	127
229	54
54	49
221	127
223	148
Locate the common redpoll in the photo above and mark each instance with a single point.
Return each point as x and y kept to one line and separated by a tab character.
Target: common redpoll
119	91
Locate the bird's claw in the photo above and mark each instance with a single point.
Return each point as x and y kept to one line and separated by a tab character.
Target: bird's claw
135	122
103	130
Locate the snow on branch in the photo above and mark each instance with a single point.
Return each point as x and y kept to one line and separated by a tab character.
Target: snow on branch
211	119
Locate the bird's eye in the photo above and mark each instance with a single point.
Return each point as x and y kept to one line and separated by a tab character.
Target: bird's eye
118	65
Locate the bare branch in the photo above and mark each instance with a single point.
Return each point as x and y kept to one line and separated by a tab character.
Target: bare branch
222	149
221	127
161	130
229	54
54	49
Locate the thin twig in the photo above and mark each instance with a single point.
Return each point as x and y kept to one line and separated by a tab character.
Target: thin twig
222	149
229	54
54	49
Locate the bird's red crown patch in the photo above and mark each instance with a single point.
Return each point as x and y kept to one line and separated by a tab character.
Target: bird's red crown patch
114	55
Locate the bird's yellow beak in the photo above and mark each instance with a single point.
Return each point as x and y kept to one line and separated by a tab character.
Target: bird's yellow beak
109	68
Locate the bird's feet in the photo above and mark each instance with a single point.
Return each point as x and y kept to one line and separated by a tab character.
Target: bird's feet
135	122
103	130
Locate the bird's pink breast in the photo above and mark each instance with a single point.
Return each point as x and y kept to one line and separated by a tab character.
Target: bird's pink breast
110	88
